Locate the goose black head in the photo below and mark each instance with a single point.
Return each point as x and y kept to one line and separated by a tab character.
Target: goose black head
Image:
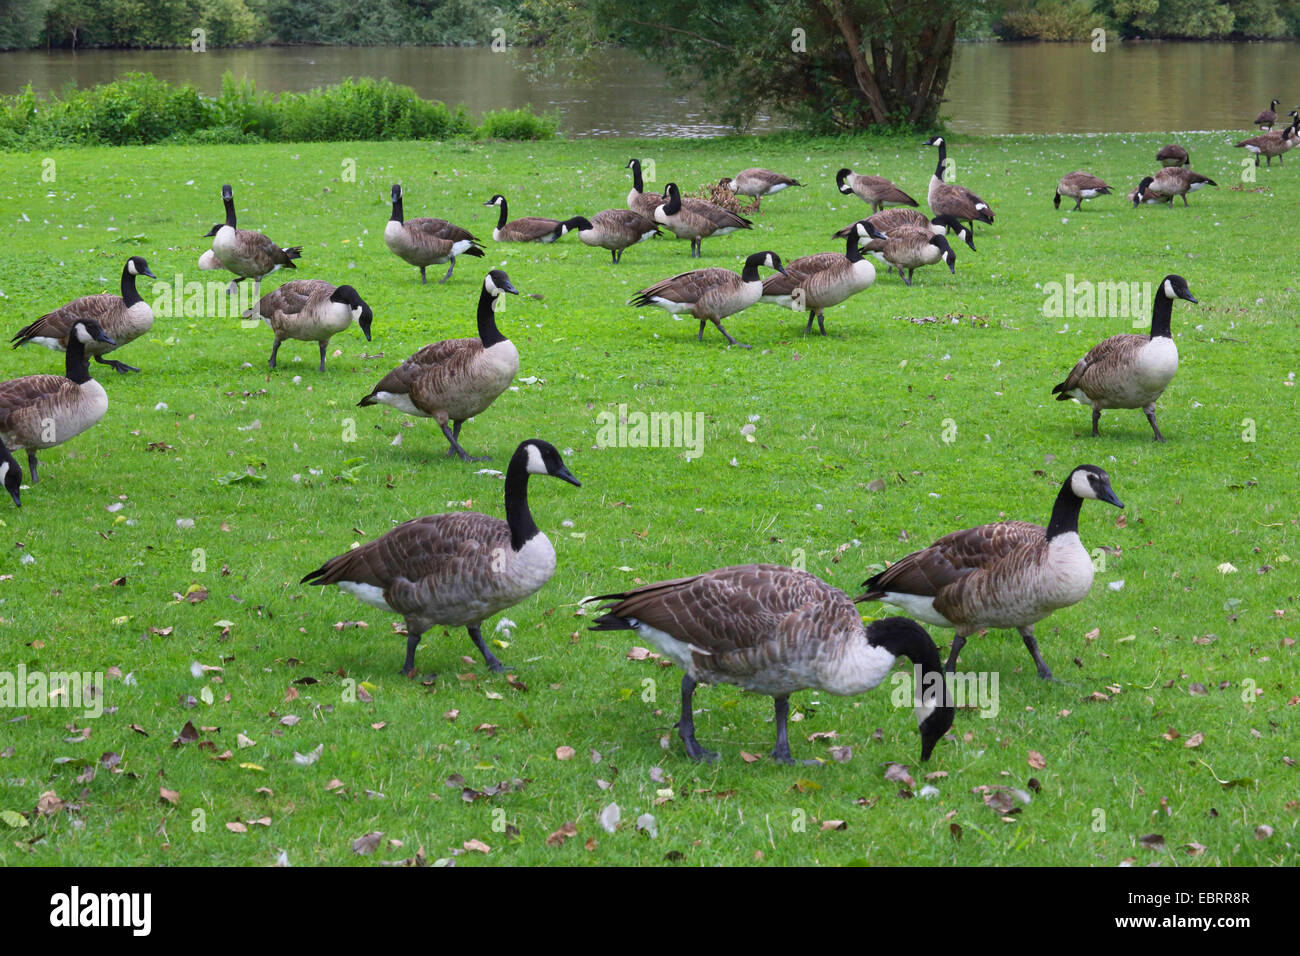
544	459
1089	481
769	259
227	194
496	282
933	703
1175	287
396	193
672	190
361	313
945	252
953	224
728	183
574	222
1056	200
11	475
496	200
88	330
866	229
841	181
1140	194
632	163
138	267
934	141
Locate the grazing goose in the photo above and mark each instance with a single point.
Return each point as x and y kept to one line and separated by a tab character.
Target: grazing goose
775	630
757	183
816	283
1079	186
953	200
1130	371
1173	155
249	255
711	294
1168	182
456	570
877	191
1268	145
894	219
457	379
638	200
612	229
11	475
695	219
41	411
425	241
912	247
1006	575
123	317
1268	117
310	310
527	229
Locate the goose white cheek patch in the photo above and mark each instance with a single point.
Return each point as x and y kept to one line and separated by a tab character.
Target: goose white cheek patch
535	464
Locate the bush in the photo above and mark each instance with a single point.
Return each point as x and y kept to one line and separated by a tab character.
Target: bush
517	124
141	109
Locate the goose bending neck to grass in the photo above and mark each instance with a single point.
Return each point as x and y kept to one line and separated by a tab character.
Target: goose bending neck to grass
41	411
1127	370
1006	575
123	317
775	630
313	310
456	570
454	380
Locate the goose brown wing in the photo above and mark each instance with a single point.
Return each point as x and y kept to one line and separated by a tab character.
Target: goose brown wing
293	297
951	558
399	380
57	324
432	381
530	228
687	286
1107	350
721	218
438	229
799	272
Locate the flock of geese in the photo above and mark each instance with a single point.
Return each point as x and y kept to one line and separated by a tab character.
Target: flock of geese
767	628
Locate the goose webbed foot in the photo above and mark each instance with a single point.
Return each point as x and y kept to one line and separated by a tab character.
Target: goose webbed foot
732	339
456	446
449	269
117	366
1031	644
476	635
686	726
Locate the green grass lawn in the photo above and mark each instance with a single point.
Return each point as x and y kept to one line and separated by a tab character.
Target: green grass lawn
923	411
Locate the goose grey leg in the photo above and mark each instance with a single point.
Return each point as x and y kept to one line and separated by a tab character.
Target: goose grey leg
730	339
455	447
324	345
811	315
275	347
1184	200
476	636
1078	205
424	280
616	254
456	435
907	278
449	268
1151	417
1096	419
686	726
412	642
116	365
781	752
31	465
1027	632
700	337
958	642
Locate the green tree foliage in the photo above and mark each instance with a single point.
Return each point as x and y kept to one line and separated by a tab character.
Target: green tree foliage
827	64
21	22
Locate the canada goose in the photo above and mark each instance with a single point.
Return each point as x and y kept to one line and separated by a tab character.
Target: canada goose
946	198
1268	117
612	229
1168	182
11	475
711	294
1130	371
878	191
1079	186
638	200
757	183
248	254
1173	155
310	310
425	241
527	229
1268	145
893	219
776	630
124	317
696	220
457	379
911	248
1006	575
456	570
41	411
816	283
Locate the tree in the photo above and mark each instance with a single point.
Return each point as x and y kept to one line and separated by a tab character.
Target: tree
827	64
21	22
